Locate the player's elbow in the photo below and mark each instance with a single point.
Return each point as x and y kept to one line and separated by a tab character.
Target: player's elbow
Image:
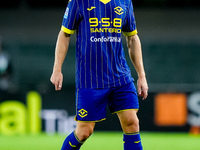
62	34
131	40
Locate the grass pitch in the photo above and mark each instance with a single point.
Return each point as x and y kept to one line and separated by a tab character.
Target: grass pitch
103	141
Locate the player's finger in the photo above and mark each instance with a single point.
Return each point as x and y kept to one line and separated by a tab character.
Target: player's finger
59	85
139	90
51	79
56	85
145	93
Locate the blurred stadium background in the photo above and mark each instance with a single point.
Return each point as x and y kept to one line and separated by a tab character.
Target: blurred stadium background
169	31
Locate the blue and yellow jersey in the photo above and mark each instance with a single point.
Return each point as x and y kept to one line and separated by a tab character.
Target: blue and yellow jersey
99	24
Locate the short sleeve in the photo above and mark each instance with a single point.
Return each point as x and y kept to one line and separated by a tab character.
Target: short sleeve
129	25
71	18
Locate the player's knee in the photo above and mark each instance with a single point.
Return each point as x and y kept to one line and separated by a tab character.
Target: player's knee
83	131
132	125
85	134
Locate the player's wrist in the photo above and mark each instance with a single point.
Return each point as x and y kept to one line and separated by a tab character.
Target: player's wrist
142	75
57	70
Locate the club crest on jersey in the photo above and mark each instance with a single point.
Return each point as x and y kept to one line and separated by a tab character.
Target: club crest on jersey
66	13
118	10
82	113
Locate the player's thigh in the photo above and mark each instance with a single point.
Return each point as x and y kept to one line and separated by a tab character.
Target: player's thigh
91	104
86	127
123	98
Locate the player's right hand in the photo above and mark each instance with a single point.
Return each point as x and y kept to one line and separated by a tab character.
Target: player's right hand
57	79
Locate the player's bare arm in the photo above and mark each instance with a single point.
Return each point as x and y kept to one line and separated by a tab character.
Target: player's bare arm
135	53
60	53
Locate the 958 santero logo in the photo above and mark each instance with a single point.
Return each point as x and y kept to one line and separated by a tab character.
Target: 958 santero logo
105	25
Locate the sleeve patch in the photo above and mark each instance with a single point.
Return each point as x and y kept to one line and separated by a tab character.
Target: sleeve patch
66	13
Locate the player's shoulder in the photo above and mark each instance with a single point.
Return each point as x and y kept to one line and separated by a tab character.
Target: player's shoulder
125	2
77	1
74	1
129	2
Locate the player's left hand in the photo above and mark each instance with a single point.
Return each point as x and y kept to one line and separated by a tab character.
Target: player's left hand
142	87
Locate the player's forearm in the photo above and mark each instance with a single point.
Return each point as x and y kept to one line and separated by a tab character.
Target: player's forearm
135	53
61	50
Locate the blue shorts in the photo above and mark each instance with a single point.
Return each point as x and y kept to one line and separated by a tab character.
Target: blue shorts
91	103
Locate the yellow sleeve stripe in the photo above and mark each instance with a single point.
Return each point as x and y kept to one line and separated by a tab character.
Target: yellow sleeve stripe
68	31
130	33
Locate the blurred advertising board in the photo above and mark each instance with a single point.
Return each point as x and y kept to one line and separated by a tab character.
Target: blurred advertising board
54	112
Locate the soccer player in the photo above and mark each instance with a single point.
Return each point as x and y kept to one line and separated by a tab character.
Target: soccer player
102	74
